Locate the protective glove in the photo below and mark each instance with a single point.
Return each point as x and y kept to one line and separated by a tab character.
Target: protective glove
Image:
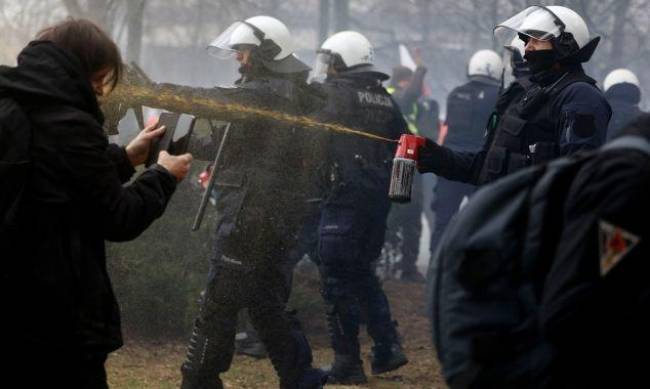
428	156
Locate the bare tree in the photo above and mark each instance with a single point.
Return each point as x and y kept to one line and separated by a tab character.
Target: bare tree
102	12
135	15
20	21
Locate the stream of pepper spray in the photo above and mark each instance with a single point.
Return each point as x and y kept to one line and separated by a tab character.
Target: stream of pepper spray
133	95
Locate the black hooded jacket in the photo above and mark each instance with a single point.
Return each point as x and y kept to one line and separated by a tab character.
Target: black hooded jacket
55	287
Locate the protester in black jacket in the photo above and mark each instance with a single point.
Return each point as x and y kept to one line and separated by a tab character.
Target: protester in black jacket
60	315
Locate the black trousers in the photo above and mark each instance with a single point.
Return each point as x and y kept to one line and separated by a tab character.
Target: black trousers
264	294
351	239
449	195
248	270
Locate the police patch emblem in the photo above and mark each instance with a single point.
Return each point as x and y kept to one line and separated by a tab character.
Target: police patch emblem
615	243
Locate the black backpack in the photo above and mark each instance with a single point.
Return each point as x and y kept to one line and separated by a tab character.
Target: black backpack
15	164
486	277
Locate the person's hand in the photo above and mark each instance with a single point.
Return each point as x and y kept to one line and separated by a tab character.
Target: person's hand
178	166
138	149
204	177
417	57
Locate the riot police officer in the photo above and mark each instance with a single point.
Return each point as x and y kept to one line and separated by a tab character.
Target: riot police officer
469	107
353	220
262	178
623	92
560	112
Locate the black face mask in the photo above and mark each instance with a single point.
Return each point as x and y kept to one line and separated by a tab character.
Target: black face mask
540	60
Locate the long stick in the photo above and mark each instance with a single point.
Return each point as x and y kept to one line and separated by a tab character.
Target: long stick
208	191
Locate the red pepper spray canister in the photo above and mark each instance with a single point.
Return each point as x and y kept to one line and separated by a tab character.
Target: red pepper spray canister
404	164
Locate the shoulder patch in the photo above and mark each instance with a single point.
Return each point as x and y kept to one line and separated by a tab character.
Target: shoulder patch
615	243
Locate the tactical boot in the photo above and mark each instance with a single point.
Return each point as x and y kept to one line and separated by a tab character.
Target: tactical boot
385	359
204	361
346	370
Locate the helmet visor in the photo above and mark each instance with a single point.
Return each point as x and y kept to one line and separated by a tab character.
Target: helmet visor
321	65
232	40
536	22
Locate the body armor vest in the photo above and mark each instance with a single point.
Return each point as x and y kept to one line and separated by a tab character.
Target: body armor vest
526	132
362	104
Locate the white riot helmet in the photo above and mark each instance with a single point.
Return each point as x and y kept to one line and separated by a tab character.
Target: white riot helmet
346	51
621	76
485	63
563	27
269	38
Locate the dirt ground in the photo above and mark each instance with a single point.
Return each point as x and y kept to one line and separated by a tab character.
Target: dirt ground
139	365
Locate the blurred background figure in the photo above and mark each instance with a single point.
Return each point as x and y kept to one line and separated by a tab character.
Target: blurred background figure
623	92
469	107
405	220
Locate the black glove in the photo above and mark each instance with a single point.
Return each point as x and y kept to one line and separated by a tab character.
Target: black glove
429	156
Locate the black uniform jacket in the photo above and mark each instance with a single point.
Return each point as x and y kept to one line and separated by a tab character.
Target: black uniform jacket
266	172
575	118
359	168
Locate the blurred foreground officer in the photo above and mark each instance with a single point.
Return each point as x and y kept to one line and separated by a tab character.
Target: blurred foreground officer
261	185
353	221
560	112
623	92
469	107
60	317
596	303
